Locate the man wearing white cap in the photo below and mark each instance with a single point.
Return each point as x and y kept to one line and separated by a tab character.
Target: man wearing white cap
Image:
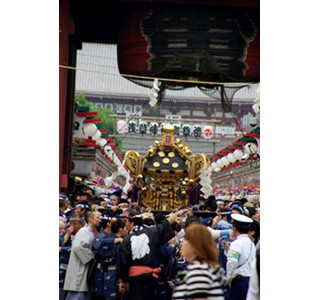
240	257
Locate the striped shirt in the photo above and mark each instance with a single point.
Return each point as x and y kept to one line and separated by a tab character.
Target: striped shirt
201	281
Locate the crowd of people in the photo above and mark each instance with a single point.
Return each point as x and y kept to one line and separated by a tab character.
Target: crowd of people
111	248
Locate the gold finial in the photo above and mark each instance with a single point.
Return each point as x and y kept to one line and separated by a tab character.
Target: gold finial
168	128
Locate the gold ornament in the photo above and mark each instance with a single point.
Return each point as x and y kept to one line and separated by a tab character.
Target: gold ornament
175	165
157	143
171	154
161	154
178	141
191	181
166	160
156	164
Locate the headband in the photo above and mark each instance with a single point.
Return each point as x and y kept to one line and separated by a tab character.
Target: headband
83	206
237	207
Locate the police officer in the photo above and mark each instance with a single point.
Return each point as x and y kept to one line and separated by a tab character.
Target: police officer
240	257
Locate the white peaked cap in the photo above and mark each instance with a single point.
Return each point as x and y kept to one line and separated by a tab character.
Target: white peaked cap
241	218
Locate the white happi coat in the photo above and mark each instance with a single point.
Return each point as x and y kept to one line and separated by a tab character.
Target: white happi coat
81	254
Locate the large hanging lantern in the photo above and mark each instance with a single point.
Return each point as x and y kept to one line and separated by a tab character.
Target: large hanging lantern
238	154
186	130
197	131
132	127
143	128
122	126
89	129
231	158
208	43
153	128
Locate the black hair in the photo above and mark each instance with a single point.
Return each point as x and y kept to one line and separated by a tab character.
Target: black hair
123	201
116	225
104	223
92	190
243	201
148	222
97	200
256	227
159	217
175	226
251	211
210	204
87	195
192	219
242	227
136	220
211	198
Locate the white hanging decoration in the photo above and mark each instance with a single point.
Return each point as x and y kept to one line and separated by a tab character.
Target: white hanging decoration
205	179
89	129
78	127
97	135
250	148
219	162
238	154
231	158
214	165
102	142
108	181
225	161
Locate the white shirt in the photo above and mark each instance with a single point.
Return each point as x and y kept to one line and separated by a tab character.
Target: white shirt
240	256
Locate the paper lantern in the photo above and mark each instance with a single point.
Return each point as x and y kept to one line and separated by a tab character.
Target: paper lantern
122	126
214	165
238	154
250	148
101	142
97	135
225	161
220	164
89	129
231	158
